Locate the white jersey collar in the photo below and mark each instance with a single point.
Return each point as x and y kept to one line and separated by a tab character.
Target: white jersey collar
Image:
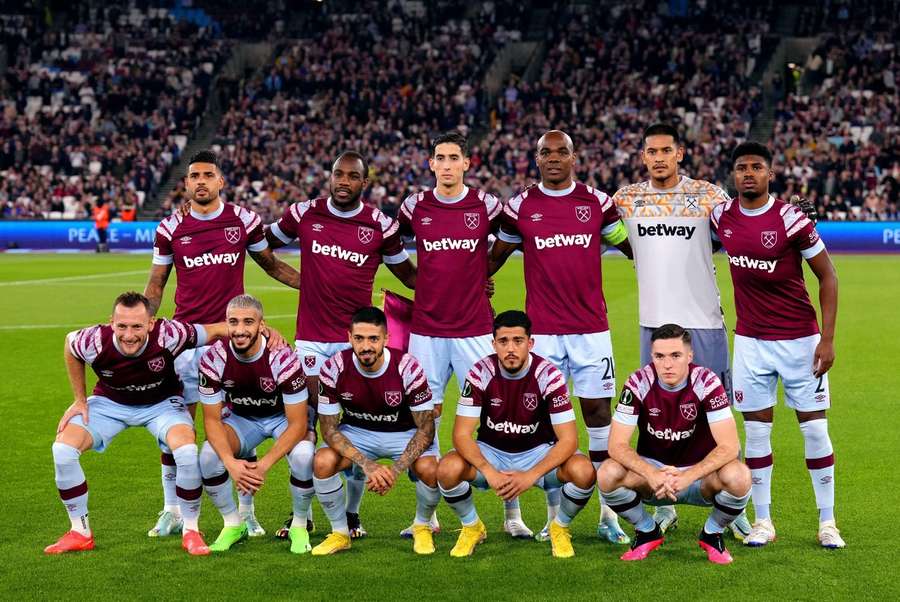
759	210
344	214
549	192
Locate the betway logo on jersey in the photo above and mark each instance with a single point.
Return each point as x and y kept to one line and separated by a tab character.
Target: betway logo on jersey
563	240
511	428
669	434
742	261
253	401
451	244
211	259
339	252
684	232
373	417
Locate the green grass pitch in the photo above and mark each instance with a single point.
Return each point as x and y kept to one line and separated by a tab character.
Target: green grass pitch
44	296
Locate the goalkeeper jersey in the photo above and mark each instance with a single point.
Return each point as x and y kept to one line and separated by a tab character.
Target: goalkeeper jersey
670	236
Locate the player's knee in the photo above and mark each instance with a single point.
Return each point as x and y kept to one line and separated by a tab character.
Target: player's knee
210	463
610	475
735	478
325	463
64	454
582	472
301	457
180	434
75	436
596	411
426	470
450	469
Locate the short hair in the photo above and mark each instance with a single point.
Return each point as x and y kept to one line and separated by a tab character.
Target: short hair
352	154
369	315
451	137
205	156
512	318
671	331
245	302
662	129
751	148
132	299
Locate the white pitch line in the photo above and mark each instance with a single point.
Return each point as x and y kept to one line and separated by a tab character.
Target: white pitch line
39	326
70	278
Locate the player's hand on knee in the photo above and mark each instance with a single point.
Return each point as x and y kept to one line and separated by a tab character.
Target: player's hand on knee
78	408
497	480
823	358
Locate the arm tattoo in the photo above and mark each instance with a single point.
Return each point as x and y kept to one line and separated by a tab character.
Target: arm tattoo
420	441
338	442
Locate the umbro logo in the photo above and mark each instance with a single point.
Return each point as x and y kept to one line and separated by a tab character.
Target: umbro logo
495	401
228	384
346	395
536	217
318	227
185	240
425	221
727	232
655	412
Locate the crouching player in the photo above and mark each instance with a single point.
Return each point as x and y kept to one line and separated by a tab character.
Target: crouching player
387	413
134	359
687	449
519	404
265	392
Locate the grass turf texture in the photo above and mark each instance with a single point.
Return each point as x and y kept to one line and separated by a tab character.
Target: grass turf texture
125	491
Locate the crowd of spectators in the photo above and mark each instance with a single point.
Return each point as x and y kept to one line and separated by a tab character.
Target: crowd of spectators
839	144
381	80
607	75
101	109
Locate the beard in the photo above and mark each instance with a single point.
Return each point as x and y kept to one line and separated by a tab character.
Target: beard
369	360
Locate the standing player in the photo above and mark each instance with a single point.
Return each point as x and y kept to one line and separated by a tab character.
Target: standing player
451	321
559	225
668	227
266	394
207	248
374	403
519	404
342	243
777	332
133	357
687	448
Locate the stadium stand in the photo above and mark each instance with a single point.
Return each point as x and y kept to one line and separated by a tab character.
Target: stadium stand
839	142
106	108
102	110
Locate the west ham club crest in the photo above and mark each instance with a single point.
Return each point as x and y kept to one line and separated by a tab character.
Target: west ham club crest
267	384
233	234
365	234
583	213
